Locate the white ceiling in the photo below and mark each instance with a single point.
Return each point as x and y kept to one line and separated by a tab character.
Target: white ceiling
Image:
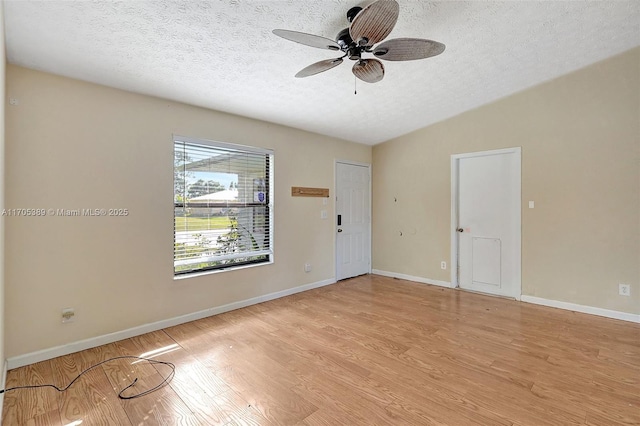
222	55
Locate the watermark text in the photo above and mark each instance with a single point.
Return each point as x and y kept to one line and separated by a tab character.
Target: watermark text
61	212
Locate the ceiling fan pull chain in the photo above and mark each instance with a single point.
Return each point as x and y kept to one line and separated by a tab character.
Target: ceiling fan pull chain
355	85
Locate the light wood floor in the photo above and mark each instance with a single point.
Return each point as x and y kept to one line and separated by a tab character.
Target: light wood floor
366	351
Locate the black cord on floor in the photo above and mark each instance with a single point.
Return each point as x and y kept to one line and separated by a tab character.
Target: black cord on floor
165	381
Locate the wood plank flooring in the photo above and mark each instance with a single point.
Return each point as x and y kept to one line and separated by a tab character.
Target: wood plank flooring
367	351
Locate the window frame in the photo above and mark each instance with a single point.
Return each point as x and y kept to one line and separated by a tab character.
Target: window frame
269	205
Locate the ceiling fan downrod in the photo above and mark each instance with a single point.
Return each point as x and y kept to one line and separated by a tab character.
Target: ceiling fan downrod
351	13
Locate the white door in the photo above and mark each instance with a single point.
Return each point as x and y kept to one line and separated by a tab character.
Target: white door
487	221
353	220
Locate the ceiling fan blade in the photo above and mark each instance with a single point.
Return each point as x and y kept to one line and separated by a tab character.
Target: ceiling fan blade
408	49
308	39
373	23
369	70
319	67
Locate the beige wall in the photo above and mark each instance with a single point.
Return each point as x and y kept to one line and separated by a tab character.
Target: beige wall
580	139
77	145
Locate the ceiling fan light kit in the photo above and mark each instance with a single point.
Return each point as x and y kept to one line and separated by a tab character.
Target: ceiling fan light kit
367	27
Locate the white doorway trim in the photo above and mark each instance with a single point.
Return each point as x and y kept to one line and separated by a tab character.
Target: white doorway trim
335	211
455	162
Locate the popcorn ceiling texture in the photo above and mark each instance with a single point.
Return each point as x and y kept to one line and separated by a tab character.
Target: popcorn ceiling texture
222	55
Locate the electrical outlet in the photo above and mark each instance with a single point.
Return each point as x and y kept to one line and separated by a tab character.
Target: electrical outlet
68	315
624	289
443	265
307	267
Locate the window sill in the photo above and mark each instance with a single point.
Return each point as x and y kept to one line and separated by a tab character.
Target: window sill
218	271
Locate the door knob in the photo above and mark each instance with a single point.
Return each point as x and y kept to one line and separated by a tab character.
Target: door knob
460	230
339	230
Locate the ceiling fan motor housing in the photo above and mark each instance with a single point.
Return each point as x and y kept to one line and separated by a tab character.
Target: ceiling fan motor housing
344	38
348	46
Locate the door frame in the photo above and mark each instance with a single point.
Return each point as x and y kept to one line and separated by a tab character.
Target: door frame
455	166
335	211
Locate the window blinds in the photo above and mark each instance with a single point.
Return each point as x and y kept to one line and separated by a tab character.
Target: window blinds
222	205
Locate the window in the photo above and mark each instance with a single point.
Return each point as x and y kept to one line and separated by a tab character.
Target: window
222	205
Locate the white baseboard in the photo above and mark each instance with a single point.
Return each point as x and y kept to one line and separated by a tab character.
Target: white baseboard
624	316
411	278
4	386
42	355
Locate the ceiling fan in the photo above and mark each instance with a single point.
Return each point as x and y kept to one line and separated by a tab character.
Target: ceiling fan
367	27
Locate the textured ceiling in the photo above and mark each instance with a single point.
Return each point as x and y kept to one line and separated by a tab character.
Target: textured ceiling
222	55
